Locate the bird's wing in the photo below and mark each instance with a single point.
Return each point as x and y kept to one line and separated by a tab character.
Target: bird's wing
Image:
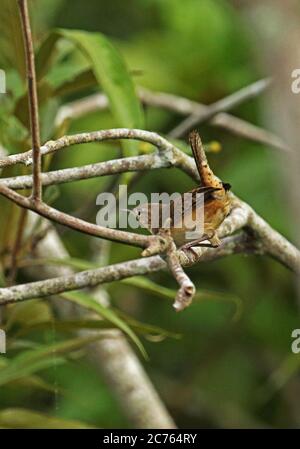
199	197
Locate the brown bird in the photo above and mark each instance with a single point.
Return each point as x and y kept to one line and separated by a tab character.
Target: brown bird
210	201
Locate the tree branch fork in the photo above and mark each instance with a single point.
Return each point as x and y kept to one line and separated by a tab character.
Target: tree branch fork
159	249
255	236
243	231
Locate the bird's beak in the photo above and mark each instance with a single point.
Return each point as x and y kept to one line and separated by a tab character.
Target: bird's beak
226	186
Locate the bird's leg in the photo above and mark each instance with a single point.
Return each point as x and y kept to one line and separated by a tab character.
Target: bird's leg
190	246
210	235
214	240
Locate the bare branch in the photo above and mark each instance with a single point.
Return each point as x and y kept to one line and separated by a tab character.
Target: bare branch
179	105
170	102
223	105
80	225
32	100
115	166
81	107
80	280
167	153
97	136
129	382
269	242
187	289
245	129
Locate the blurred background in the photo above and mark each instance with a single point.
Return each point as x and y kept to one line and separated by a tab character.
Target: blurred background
228	359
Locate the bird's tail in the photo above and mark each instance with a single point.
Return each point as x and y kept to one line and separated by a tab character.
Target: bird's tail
206	174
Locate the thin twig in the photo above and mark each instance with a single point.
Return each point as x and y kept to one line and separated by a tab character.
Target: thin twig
89	278
153	243
53	146
264	240
268	241
187	289
115	166
179	105
32	100
223	105
169	154
248	131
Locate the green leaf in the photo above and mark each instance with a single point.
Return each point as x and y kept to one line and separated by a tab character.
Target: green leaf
45	55
11	40
64	326
79	324
20	418
35	382
28	314
33	360
161	291
17	369
110	72
90	303
12	133
148	329
150	286
77	83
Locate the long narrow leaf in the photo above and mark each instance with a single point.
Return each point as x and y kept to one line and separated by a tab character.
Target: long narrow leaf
90	303
19	418
34	360
110	71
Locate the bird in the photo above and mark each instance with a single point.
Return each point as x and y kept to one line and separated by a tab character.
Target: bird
210	200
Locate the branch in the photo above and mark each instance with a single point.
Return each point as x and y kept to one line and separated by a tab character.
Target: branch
264	240
179	105
130	384
184	106
223	105
187	289
111	167
167	152
112	354
32	100
80	225
270	242
244	129
53	146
